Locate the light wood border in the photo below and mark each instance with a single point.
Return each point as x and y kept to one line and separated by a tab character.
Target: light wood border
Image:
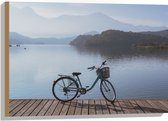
6	59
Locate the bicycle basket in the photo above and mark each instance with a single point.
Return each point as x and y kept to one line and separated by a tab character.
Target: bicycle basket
105	72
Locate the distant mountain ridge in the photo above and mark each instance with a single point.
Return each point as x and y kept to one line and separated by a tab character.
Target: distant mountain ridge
91	33
16	38
67	25
93	38
163	33
118	40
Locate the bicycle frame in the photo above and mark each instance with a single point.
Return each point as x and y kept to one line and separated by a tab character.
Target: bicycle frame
94	83
99	76
73	83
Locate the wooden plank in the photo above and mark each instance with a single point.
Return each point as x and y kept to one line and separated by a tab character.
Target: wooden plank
98	107
72	107
38	108
91	107
118	107
104	107
161	106
142	106
164	103
111	108
17	102
45	107
157	106
146	107
127	107
58	108
52	108
151	108
85	107
78	109
136	106
32	108
19	107
26	107
65	108
12	102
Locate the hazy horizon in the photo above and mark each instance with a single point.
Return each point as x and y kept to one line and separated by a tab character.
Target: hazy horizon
51	19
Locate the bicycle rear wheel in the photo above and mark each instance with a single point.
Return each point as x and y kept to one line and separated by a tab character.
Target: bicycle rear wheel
65	89
107	90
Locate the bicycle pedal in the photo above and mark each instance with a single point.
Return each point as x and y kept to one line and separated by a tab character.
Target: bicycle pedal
78	96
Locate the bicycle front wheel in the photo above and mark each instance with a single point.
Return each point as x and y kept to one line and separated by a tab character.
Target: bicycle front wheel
107	90
65	89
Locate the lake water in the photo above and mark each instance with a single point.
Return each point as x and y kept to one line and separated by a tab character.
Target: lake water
32	71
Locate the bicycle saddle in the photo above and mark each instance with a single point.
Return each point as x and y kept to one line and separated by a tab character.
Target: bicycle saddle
76	73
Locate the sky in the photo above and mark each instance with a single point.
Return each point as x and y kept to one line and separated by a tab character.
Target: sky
36	19
153	15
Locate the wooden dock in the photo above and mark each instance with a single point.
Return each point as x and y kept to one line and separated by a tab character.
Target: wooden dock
51	107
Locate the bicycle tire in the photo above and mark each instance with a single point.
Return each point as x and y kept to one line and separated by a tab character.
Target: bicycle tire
56	93
108	85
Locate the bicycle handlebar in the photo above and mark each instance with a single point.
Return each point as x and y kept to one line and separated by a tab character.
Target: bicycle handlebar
103	63
93	67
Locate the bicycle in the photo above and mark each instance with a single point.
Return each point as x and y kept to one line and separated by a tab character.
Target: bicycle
66	88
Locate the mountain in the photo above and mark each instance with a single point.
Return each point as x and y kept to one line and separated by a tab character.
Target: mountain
115	43
16	38
91	33
163	33
28	22
118	44
118	40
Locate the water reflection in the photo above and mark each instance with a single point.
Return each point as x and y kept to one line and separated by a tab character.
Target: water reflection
116	52
134	76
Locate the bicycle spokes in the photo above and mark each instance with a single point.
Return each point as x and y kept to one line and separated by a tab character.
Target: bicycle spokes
106	87
107	90
63	82
65	89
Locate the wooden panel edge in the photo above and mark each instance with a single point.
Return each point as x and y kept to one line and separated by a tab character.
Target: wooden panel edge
6	58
